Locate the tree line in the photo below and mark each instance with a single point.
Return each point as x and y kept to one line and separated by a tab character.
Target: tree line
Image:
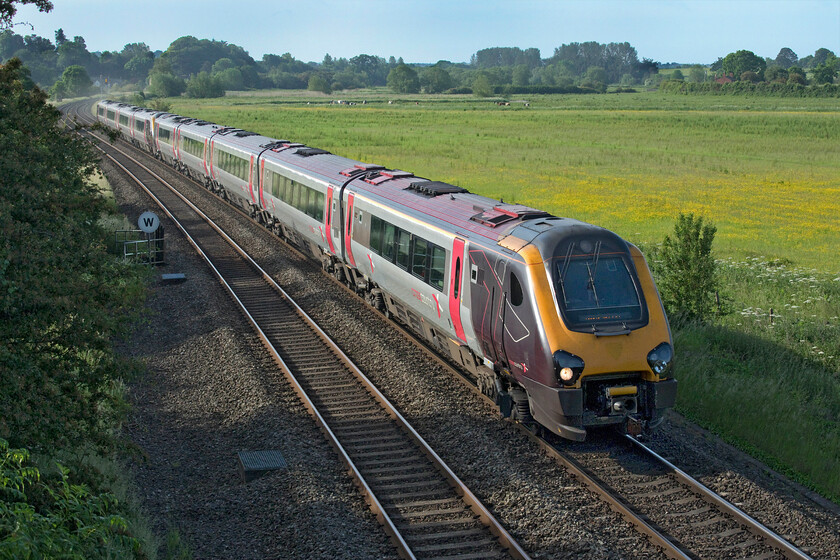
207	68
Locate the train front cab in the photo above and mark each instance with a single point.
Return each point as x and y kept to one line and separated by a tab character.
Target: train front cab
609	348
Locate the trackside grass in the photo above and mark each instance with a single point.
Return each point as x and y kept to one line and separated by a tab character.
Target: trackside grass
765	171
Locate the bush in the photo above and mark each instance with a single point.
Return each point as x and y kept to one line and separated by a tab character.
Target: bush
204	85
165	85
318	83
43	517
686	270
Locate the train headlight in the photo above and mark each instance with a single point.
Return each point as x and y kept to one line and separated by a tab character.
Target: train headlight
567	367
661	359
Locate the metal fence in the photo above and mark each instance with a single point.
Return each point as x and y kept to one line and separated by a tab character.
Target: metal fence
137	246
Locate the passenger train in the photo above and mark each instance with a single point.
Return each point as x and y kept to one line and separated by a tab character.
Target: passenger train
557	320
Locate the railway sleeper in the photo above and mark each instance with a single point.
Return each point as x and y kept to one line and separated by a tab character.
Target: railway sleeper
432	513
465	544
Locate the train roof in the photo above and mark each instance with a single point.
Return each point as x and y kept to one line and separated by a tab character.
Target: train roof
448	206
452	207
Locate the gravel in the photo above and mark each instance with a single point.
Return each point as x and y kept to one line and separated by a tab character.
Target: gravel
211	391
234	395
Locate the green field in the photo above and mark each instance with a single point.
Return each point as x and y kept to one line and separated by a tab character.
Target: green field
766	171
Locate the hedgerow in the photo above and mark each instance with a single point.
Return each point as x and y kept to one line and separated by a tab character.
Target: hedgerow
63	301
751	88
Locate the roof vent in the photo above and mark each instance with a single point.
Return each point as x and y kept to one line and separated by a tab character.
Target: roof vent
274	145
502	213
359	168
434	188
307	152
382	176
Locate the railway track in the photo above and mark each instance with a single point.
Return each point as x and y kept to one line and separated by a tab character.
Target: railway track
424	507
676	512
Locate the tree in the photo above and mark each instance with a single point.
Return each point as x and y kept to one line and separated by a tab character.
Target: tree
403	79
62	298
697	74
749	76
138	67
60	37
677	75
776	73
825	73
796	75
521	75
481	86
687	274
374	70
820	57
188	56
506	56
786	58
743	61
222	64
75	53
8	10
203	85
165	85
75	82
436	80
595	78
795	78
319	83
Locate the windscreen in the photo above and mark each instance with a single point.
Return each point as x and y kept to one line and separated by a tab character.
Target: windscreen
595	285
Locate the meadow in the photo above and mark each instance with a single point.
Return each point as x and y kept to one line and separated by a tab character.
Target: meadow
765	171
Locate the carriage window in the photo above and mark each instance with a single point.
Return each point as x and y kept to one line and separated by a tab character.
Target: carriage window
419	258
319	206
192	146
516	296
376	235
389	238
403	242
303	205
437	267
457	288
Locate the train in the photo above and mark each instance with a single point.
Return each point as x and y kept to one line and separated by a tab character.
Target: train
558	321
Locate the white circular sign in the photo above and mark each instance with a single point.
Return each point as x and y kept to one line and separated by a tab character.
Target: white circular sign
148	222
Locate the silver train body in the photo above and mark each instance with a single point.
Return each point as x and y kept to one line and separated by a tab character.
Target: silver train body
557	320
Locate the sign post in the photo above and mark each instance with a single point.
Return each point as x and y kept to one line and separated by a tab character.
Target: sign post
148	222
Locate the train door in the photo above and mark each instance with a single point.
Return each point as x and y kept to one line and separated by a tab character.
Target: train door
150	138
348	231
332	233
485	294
455	287
254	199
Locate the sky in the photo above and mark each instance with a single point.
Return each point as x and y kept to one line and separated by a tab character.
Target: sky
425	31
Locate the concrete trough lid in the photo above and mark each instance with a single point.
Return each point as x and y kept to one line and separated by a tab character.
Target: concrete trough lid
253	464
175	278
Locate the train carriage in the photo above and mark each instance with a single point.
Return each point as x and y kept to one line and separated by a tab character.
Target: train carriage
558	321
164	133
193	138
125	114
